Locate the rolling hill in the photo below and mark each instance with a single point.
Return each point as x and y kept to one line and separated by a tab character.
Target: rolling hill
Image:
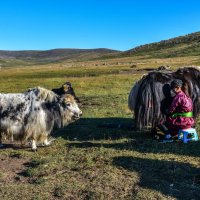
32	57
188	45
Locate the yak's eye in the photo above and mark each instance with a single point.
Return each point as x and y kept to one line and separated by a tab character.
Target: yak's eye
68	104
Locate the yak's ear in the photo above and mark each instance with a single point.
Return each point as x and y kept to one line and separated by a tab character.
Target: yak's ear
65	87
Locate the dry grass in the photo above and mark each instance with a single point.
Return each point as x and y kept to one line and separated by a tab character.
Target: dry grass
95	158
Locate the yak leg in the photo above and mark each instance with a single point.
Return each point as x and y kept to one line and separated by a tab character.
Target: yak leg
1	140
33	145
12	137
48	142
153	132
23	142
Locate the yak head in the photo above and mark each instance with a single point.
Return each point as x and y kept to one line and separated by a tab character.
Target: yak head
69	110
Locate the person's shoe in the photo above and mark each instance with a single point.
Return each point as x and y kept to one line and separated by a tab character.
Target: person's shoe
167	139
168	136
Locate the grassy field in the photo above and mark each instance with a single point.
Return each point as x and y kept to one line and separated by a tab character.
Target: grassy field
100	156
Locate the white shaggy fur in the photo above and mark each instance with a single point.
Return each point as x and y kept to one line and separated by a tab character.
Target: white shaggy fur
33	115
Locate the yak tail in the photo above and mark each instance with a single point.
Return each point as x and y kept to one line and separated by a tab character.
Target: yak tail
144	106
140	103
133	96
147	107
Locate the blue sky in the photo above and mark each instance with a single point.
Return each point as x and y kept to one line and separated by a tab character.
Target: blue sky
115	24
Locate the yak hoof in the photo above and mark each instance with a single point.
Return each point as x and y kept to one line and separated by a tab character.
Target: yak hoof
52	140
47	143
34	150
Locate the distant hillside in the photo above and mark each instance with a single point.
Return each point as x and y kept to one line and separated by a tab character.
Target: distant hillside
188	45
56	55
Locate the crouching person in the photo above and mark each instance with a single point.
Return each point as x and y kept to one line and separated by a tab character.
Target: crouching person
179	114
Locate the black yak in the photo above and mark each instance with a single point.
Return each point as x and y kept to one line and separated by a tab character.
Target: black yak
151	96
66	88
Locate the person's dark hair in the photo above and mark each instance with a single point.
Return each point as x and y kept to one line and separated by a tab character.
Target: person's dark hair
176	83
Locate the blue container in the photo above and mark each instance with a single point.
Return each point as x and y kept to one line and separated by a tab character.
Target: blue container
187	135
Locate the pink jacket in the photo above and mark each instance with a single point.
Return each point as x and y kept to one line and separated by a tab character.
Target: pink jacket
180	104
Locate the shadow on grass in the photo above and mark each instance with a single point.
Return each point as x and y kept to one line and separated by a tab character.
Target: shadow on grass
86	133
14	146
145	145
171	178
97	129
90	129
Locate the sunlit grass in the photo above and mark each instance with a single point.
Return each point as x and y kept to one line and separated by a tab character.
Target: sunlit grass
100	156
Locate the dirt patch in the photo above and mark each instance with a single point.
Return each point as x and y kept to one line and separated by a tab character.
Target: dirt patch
10	168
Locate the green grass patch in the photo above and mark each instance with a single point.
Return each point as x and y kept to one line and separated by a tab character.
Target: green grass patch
100	156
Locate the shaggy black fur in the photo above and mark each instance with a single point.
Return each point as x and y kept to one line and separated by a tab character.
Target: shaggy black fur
66	88
154	95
